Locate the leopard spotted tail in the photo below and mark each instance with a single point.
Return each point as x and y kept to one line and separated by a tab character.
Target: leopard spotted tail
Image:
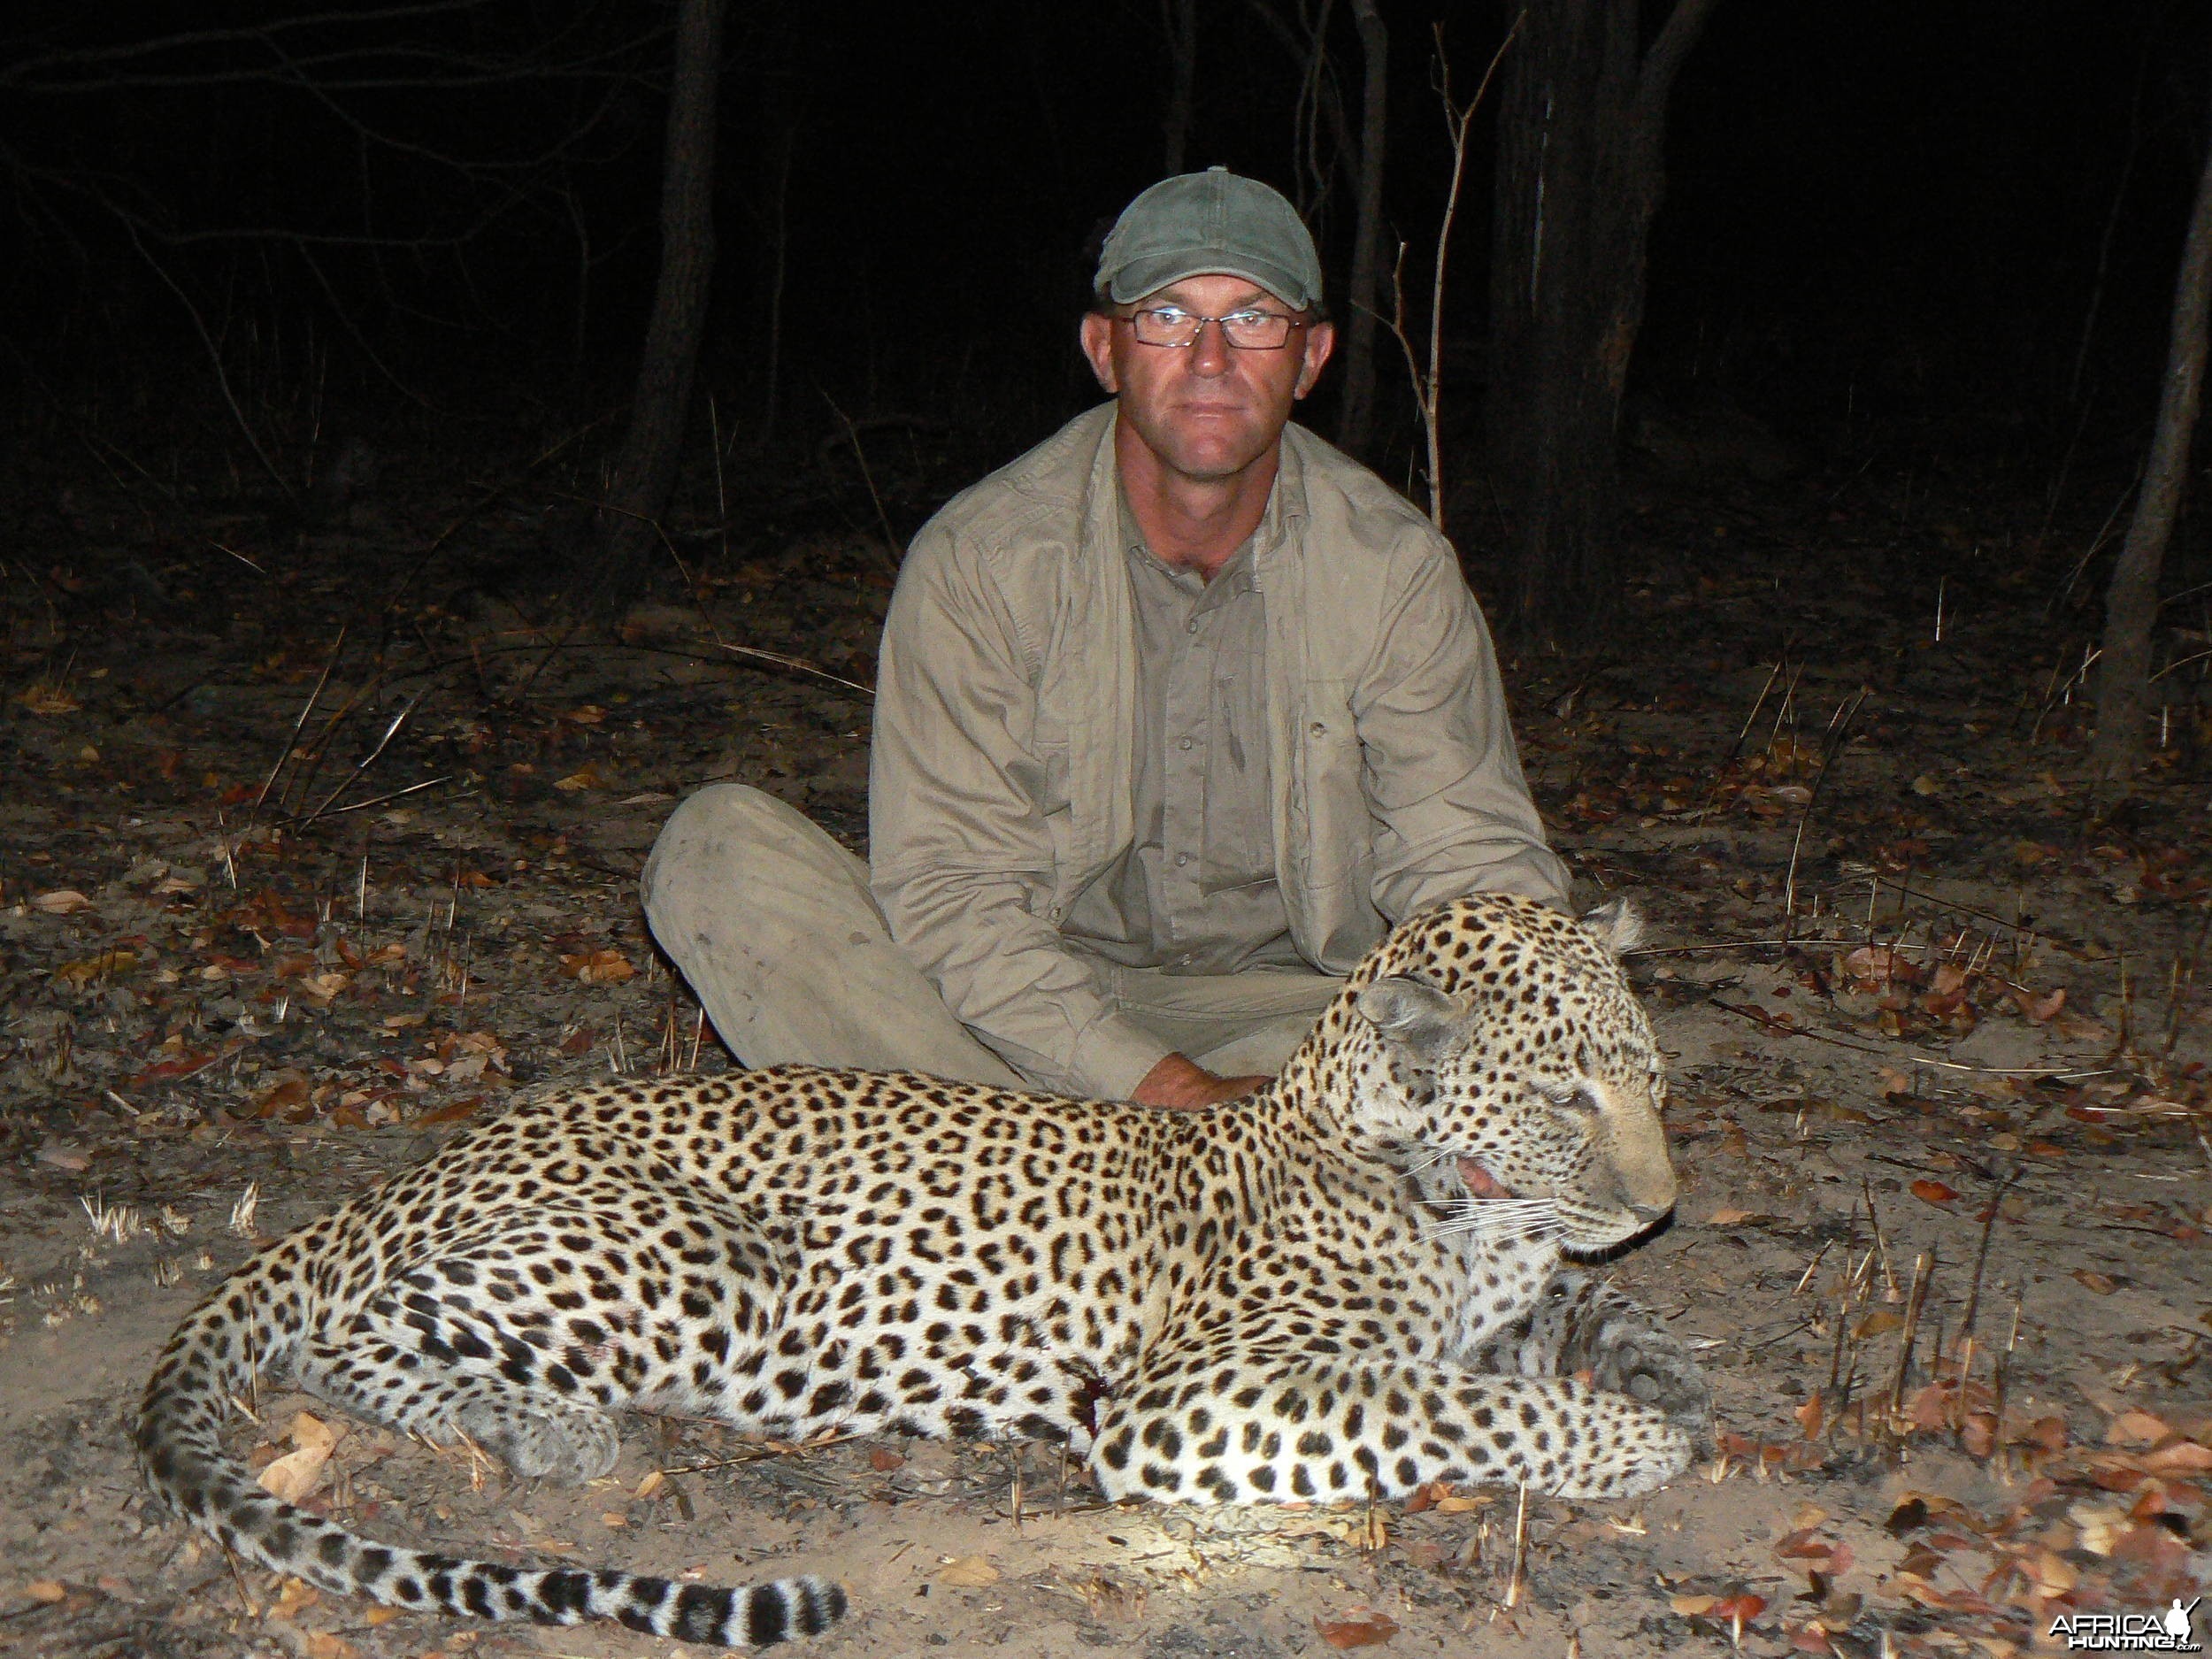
217	1352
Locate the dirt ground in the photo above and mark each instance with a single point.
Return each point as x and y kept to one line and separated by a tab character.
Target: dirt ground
278	910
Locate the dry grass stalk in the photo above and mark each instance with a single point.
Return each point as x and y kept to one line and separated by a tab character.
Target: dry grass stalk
1997	1396
1838	734
291	743
1890	1292
1981	1258
1922	1272
1516	1583
1811	1267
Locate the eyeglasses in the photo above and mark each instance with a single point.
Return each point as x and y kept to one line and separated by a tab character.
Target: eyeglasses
1251	330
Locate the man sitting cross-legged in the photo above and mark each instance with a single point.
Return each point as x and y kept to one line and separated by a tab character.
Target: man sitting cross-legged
1176	715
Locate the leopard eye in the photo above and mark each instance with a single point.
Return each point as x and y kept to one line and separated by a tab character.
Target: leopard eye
1577	1099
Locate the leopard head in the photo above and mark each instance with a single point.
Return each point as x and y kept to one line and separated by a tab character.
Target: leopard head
1499	1042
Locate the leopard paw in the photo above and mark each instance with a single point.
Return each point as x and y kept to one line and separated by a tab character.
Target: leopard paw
1657	1368
566	1445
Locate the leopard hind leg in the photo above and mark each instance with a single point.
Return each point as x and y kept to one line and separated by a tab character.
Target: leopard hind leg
424	1366
528	1339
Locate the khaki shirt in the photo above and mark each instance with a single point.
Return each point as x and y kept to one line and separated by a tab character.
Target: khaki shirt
1196	891
1002	781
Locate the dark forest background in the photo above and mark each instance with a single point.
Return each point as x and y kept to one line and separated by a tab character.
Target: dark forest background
1927	236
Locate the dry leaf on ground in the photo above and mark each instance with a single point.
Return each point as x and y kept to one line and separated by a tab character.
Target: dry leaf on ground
968	1571
1360	1627
294	1597
105	965
598	967
63	1155
1730	1217
295	1474
284	1094
2136	1428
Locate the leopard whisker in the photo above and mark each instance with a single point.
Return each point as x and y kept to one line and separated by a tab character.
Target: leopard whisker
1499	1214
1532	1218
1538	1217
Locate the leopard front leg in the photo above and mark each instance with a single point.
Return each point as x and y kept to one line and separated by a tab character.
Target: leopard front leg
1582	1326
1219	1428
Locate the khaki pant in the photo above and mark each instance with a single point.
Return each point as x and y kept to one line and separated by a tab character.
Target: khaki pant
773	925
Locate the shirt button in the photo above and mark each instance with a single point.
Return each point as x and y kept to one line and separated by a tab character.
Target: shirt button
1181	859
1185	743
1191	626
1320	730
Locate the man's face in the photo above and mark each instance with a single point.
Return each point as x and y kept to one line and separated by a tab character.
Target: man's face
1210	409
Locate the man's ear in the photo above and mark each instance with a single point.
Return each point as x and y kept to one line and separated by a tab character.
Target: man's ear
1416	1018
1096	337
1320	341
1617	925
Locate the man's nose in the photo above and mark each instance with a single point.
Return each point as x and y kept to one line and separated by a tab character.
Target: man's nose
1209	352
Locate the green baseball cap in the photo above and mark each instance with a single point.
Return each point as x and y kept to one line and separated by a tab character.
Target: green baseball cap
1213	223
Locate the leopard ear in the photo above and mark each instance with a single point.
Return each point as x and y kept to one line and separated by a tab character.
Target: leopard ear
1416	1018
1619	925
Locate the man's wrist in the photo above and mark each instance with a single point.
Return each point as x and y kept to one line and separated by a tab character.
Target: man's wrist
1173	1081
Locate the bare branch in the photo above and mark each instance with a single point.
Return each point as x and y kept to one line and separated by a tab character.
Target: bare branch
1656	81
215	356
22	72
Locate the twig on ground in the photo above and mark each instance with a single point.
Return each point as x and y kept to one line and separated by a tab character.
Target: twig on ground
1838	734
1760	1016
1736	747
2180	983
1981	1256
1514	1583
378	800
368	760
894	554
1997	1392
301	783
797	664
1916	1302
1881	1244
299	724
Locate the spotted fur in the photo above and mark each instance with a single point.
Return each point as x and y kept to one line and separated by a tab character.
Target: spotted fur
1298	1295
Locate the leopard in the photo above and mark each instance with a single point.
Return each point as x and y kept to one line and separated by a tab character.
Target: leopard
1372	1275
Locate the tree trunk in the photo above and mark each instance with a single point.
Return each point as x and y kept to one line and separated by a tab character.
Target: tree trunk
2131	603
1356	416
1581	126
645	475
1179	28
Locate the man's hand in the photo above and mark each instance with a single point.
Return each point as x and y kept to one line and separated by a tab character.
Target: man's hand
1186	1086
